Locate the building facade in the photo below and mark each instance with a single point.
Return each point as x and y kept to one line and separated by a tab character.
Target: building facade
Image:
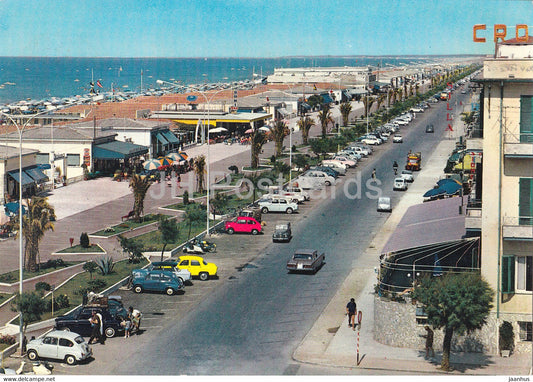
507	190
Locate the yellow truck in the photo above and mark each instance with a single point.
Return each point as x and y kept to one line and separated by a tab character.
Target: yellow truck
413	161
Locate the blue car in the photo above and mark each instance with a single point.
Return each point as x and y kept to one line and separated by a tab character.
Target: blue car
156	281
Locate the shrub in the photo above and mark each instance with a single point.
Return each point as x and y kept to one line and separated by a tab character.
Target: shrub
61	301
234	168
105	263
506	336
7	339
186	197
84	240
7	278
55	263
42	287
95	285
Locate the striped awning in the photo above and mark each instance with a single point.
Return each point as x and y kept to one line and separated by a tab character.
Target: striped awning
26	179
36	174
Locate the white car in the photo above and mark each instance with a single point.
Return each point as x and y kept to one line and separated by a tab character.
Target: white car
370	141
417	109
397	139
335	165
277	205
384	204
297	193
401	122
400	184
361	150
315	179
408	176
59	344
354	153
345	160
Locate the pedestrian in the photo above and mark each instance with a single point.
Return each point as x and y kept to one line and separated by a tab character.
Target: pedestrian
101	335
395	167
351	310
95	328
135	316
429	342
126	324
374	174
178	179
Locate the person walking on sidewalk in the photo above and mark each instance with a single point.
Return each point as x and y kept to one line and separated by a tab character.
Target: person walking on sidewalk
429	341
351	310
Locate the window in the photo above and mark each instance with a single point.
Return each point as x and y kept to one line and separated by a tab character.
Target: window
523	273
65	342
195	263
185	262
42	158
508	274
526	119
525	201
73	159
525	330
50	341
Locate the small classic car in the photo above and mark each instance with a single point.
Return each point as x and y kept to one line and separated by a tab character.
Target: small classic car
197	266
243	224
306	260
157	280
58	344
282	232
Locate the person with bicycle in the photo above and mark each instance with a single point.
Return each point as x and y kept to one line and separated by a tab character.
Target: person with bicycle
395	167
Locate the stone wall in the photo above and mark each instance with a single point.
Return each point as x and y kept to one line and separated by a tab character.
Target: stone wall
395	325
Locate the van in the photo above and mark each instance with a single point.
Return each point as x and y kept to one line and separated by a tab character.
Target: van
336	165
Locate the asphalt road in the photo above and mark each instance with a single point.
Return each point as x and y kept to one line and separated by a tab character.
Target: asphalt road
250	320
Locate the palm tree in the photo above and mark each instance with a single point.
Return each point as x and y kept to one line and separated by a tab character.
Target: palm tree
390	97
324	116
345	108
368	101
194	214
199	166
279	131
258	140
139	185
35	222
305	125
380	100
417	86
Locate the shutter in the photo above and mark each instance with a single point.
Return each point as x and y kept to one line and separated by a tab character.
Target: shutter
526	119
507	274
525	201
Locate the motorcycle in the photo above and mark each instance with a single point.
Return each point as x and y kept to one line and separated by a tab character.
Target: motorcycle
37	368
196	246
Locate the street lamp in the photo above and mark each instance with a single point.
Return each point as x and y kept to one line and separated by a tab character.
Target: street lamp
20	131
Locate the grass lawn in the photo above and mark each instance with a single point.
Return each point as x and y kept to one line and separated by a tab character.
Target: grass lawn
122	269
126	226
233	202
13	276
4	297
93	248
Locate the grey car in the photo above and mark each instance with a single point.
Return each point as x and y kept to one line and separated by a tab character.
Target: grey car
282	232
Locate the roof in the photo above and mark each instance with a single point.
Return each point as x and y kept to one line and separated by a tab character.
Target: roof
59	133
515	41
305	251
428	223
7	152
118	150
119	122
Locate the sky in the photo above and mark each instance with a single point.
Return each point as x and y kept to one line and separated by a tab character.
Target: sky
252	28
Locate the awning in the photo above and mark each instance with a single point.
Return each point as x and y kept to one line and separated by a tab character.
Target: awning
161	139
327	98
170	136
36	174
118	150
283	111
26	179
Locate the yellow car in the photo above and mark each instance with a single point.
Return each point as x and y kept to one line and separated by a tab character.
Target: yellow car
197	266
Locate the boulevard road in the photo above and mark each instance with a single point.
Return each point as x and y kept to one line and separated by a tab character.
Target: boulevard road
250	321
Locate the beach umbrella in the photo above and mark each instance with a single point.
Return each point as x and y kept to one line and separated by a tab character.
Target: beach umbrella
264	128
13	208
451	188
175	157
249	131
218	130
164	161
151	164
447	180
184	155
434	192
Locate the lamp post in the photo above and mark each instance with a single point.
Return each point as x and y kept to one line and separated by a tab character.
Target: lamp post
20	131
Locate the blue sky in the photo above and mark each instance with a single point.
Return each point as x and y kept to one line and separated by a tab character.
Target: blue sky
252	28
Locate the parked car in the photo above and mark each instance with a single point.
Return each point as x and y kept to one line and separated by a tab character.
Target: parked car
335	165
407	175
316	179
197	266
401	122
328	170
417	109
397	139
282	232
370	141
384	204
269	204
278	192
296	191
362	147
169	265
59	344
156	281
77	321
243	224
306	260
400	184
343	159
361	150
355	153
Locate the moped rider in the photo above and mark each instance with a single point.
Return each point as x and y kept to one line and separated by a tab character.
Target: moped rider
395	167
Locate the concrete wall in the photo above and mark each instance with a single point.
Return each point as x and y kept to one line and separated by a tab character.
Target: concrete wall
395	325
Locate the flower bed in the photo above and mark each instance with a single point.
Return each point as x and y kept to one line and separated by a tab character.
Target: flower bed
93	248
126	226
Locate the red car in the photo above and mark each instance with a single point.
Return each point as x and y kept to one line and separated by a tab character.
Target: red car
243	224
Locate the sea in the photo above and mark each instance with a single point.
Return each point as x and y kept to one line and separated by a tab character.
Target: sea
39	78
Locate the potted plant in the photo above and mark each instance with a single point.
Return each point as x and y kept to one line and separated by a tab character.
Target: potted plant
506	339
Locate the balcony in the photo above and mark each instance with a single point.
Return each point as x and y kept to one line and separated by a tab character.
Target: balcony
518	228
518	145
473	216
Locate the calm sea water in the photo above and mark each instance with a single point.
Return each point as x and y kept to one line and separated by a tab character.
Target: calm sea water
45	77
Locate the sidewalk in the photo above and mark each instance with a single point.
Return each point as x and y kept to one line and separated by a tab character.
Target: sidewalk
330	342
